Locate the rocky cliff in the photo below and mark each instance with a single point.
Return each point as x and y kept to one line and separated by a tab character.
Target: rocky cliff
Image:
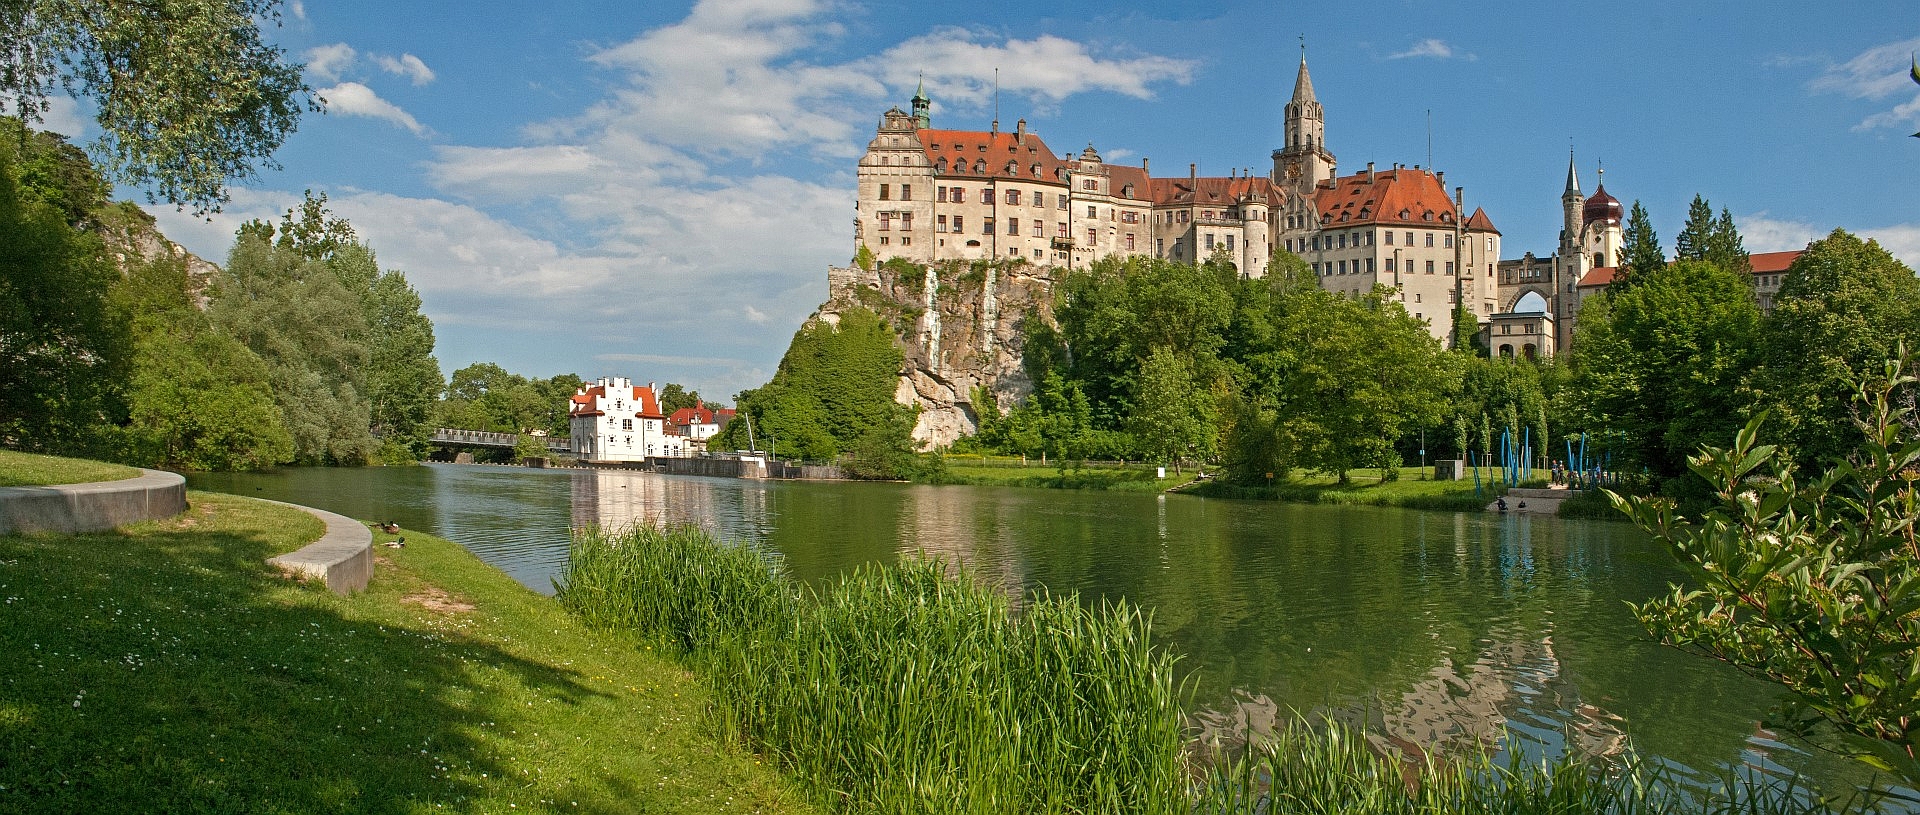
960	327
132	238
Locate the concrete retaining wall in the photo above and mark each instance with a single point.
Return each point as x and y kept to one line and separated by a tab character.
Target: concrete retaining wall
342	557
74	508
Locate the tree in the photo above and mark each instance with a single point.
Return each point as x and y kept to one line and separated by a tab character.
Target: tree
1697	234
1725	248
1640	253
1658	365
833	387
311	332
403	377
64	349
188	94
1845	304
54	172
1811	584
674	396
1173	416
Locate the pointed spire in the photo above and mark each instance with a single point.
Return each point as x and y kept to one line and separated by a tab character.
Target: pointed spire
1303	86
1573	176
921	92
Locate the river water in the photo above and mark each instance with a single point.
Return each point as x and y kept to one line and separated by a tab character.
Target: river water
1433	628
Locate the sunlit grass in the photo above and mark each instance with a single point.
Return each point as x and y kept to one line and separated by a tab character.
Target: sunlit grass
1002	473
167	668
19	469
1370	487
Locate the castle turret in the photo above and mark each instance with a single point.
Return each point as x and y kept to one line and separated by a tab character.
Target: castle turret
1304	161
922	106
1572	203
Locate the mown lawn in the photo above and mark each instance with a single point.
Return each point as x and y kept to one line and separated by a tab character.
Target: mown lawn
166	668
1047	476
19	469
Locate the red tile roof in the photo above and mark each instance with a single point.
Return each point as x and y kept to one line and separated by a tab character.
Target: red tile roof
1220	191
964	150
1770	262
641	399
1479	222
1401	197
1597	277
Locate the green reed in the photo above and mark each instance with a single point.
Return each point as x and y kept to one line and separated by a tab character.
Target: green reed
906	689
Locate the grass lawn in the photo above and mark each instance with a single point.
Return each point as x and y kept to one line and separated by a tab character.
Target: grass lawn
1134	478
166	668
19	469
1366	487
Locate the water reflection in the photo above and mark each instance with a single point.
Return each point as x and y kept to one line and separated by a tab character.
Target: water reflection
1434	630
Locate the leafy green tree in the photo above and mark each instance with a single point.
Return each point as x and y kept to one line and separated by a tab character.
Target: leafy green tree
1173	415
1113	314
312	333
1658	365
1845	304
198	399
188	94
1813	584
54	172
674	396
403	377
834	385
64	350
1640	252
1725	248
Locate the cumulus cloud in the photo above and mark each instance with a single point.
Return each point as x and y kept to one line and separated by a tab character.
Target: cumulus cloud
355	99
959	64
64	115
1434	48
1878	73
329	63
406	65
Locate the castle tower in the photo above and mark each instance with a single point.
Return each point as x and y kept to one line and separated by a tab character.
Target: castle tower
1304	162
922	106
1571	202
895	204
1601	237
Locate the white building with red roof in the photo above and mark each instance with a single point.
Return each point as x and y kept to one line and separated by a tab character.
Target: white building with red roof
614	420
698	423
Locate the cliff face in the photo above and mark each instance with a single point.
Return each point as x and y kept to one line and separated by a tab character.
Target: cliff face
959	326
131	238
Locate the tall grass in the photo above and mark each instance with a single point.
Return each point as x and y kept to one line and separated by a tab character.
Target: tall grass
905	689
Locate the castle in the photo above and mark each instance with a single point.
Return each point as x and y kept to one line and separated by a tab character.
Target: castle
928	195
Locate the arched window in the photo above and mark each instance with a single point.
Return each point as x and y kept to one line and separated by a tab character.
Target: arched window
1506	351
1598	259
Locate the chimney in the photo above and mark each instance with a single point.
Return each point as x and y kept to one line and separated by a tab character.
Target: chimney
1369	172
1020	131
652	387
1146	166
1442	178
1460	197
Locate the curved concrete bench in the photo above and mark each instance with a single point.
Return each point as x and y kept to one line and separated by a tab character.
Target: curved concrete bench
74	508
342	558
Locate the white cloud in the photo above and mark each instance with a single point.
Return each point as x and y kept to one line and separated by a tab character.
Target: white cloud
1877	73
406	65
1435	48
329	63
355	99
299	10
960	63
63	115
1762	233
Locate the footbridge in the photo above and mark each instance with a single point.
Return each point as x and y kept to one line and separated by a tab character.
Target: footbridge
455	438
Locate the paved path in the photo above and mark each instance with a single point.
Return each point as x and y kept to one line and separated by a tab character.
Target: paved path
70	509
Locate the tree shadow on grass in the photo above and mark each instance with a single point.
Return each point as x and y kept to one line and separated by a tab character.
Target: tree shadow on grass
157	672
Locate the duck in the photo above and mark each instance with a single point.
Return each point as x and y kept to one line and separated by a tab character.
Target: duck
396	543
389	527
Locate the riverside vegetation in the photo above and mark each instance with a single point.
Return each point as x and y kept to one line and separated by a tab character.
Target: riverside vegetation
914	689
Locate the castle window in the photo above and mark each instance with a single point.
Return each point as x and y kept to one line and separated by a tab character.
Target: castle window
1209	239
883	192
980	165
1092	212
986	195
1013	197
1390	264
1229	243
1389	237
1061	198
940	195
1429	267
1013	226
906	192
906	221
1013	168
1159	246
940	223
626	424
1369	265
1343	267
1039	227
1429	239
1449	267
1409	232
958	224
886	221
1093	237
1129	241
1449	240
884	240
1090	184
1416	297
1343	240
940	167
1063	229
1036	174
986	227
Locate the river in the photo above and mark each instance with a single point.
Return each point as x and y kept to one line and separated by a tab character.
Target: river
1435	628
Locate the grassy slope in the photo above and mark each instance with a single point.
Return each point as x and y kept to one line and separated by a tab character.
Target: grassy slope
1366	487
29	470
1137	479
165	668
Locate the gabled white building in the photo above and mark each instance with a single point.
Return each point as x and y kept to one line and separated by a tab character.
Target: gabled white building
612	420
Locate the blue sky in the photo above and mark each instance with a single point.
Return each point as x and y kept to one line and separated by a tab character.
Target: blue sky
656	189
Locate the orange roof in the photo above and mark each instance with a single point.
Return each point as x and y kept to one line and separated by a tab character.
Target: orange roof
1219	191
642	399
1770	262
1598	277
1479	222
960	151
1402	197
